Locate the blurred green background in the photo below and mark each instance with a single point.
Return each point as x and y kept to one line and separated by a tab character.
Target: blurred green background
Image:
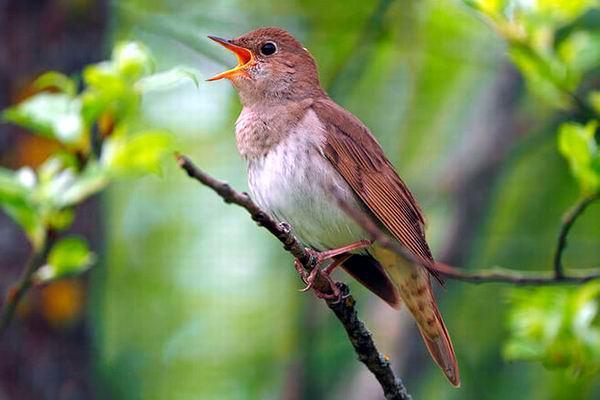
191	301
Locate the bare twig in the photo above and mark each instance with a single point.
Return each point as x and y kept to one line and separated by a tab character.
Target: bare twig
503	275
359	335
497	275
16	293
565	228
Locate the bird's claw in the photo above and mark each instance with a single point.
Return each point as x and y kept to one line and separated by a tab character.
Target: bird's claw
300	269
317	258
310	278
336	294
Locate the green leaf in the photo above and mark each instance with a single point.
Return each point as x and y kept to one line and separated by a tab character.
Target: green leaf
102	75
578	145
69	256
594	98
545	76
588	21
490	7
15	184
53	115
555	326
89	182
61	219
166	80
53	79
50	168
580	52
141	153
108	93
28	218
132	60
16	191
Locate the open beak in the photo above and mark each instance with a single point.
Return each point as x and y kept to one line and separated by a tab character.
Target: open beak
244	58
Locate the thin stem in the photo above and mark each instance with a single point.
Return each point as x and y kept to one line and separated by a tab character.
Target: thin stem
568	221
447	271
503	275
16	293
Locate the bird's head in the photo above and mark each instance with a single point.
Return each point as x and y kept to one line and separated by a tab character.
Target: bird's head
272	65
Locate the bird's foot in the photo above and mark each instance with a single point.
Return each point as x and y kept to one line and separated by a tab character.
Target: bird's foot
333	292
329	293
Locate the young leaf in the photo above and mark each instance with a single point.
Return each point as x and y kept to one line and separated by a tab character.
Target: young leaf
53	115
108	93
594	98
92	180
69	256
12	185
60	220
166	80
53	79
53	166
16	190
132	60
141	153
578	145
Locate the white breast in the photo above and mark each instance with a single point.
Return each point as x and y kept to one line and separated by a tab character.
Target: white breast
291	182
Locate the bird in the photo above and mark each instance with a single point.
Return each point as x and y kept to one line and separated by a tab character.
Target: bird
304	153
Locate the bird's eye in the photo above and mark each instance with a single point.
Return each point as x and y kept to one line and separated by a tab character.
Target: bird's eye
268	48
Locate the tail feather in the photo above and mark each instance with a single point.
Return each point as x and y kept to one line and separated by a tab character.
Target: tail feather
413	285
442	351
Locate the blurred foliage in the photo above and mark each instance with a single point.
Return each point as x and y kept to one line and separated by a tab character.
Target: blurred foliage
69	256
555	44
195	302
215	310
559	327
578	144
99	141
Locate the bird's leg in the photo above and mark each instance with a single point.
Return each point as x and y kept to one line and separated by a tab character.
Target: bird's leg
325	273
310	278
300	269
325	255
322	256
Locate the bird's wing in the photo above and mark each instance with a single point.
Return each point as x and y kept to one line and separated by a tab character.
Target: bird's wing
357	156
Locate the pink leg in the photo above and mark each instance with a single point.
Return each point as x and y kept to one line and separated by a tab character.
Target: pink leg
320	258
310	279
336	263
361	244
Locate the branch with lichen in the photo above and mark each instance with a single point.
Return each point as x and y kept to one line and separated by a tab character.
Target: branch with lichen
344	310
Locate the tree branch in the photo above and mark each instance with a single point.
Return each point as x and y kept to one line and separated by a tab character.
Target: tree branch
344	310
16	293
497	275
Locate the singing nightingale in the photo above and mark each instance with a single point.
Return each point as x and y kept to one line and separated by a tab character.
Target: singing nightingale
299	145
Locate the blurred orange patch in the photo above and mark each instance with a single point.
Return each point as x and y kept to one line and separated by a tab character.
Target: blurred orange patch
62	302
33	150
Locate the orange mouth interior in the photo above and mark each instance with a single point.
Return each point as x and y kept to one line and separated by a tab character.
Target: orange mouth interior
243	55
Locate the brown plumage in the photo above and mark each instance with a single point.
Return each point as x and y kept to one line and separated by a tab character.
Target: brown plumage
297	143
357	156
